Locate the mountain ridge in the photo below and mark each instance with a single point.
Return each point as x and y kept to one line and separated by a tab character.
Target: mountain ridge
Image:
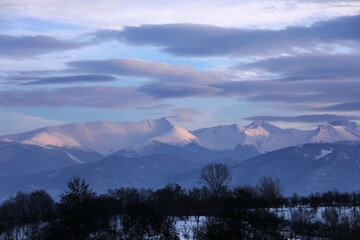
109	137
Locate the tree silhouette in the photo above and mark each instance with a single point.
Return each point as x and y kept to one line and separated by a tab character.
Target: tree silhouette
270	189
216	176
76	212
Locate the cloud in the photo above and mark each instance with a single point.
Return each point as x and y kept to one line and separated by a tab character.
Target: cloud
87	96
184	115
116	14
342	107
147	69
65	79
177	91
207	40
30	46
291	92
310	67
316	118
155	107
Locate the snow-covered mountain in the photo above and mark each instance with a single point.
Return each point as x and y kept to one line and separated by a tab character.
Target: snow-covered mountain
260	134
179	155
266	137
334	131
139	138
105	137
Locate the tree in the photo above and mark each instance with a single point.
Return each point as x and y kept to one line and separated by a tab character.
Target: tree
270	189
77	212
216	176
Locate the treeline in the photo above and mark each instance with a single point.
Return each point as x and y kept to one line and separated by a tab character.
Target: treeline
129	213
243	212
326	199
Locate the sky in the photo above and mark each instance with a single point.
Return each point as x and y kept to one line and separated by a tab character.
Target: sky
294	63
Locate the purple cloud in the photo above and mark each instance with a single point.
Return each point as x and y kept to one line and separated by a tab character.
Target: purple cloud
64	79
30	46
177	91
90	96
310	67
342	107
292	92
146	69
206	40
155	107
315	118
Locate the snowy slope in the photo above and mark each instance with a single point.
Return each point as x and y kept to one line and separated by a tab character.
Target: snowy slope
260	134
334	131
109	137
105	137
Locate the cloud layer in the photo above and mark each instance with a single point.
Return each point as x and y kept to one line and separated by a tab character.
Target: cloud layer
147	69
316	118
310	67
207	40
30	46
87	96
225	70
63	79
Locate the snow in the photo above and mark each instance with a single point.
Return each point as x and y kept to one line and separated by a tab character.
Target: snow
175	136
332	133
187	225
46	139
73	157
266	137
108	137
105	137
323	153
221	137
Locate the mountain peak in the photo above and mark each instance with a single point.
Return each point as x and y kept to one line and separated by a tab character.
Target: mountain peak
165	120
352	126
261	123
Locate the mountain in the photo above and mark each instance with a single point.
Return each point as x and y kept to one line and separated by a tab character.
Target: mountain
260	134
140	137
192	152
17	158
303	169
105	137
266	137
337	130
305	161
109	173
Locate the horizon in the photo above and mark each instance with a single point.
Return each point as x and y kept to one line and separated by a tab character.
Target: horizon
296	66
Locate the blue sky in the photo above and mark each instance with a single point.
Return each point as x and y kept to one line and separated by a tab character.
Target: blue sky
199	63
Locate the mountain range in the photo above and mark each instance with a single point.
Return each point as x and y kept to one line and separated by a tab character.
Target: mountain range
152	152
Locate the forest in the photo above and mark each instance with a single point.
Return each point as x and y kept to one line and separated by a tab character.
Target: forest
213	211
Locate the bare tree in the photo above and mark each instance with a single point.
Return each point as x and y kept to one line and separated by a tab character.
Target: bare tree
216	176
270	189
